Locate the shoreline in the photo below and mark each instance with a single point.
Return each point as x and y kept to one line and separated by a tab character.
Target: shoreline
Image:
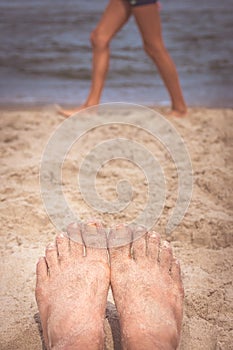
52	106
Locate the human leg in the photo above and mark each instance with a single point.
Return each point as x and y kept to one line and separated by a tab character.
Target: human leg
148	20
148	292
71	294
114	17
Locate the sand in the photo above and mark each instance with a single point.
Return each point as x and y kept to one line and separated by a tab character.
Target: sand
202	241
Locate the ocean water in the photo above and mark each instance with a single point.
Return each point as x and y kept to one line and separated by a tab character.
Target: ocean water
45	54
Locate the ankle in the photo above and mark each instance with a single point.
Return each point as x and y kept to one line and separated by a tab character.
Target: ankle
179	108
92	102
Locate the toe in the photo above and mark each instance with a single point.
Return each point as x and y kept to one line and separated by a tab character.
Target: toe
139	245
165	256
94	235
41	271
176	274
74	232
120	235
119	242
51	257
153	244
63	247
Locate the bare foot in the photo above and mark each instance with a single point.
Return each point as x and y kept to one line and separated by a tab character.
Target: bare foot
178	113
71	294
69	112
148	292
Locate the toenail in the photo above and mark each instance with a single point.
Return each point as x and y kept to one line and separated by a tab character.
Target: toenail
73	225
153	234
93	224
119	226
131	253
84	251
140	229
166	244
50	246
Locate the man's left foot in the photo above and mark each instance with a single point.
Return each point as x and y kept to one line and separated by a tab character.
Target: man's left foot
71	293
148	292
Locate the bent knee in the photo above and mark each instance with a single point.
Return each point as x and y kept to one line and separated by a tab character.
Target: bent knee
154	49
99	40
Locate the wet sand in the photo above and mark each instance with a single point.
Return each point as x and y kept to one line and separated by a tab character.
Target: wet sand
203	241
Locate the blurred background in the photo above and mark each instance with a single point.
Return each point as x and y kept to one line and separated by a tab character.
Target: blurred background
45	53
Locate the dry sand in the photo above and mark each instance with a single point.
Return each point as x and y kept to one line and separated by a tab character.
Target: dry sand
203	240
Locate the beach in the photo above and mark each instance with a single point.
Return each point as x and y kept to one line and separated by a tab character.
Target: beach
46	53
203	240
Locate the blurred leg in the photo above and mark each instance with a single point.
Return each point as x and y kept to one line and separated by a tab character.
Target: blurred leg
115	16
148	20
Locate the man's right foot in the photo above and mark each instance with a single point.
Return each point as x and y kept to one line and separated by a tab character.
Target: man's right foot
71	292
148	292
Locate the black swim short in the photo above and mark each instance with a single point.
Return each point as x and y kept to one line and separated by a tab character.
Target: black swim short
141	2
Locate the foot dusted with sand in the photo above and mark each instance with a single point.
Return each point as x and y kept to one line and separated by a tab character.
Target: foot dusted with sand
71	294
148	293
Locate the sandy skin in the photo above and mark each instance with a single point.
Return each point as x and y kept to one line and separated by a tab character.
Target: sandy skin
70	288
71	293
148	293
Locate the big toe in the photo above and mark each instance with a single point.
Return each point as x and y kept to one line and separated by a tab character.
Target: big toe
95	240
63	247
139	245
94	235
74	232
153	244
41	271
165	256
119	242
51	255
176	275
